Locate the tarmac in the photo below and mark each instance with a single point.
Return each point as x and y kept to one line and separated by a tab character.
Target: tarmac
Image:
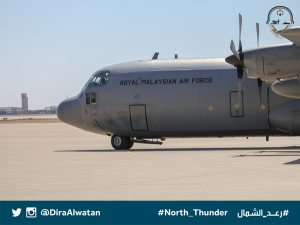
55	161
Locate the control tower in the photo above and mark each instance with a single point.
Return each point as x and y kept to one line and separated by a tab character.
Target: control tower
24	101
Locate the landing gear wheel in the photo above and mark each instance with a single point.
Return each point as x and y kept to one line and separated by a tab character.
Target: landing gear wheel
130	144
119	142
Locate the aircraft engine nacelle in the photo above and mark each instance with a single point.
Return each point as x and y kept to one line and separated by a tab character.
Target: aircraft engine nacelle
287	88
272	62
286	117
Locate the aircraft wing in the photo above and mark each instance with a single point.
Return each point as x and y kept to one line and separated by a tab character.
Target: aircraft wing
293	34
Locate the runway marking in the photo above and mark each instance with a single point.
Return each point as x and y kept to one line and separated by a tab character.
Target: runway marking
130	152
279	153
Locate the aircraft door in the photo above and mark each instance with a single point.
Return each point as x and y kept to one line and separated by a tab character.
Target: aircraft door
138	117
236	109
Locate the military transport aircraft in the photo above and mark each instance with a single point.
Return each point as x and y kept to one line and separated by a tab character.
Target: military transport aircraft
156	99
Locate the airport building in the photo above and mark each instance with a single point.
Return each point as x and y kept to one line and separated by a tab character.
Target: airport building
47	110
51	110
24	109
11	110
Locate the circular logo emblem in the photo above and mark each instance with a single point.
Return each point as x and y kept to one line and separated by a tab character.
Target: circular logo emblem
137	97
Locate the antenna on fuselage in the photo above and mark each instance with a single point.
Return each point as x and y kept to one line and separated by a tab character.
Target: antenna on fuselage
176	56
155	55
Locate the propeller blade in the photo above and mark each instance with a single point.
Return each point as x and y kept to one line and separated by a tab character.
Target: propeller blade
240	76
259	83
232	48
257	32
240	30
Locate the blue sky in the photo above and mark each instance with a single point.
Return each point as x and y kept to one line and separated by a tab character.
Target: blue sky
49	49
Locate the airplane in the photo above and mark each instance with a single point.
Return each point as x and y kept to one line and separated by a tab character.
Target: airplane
135	102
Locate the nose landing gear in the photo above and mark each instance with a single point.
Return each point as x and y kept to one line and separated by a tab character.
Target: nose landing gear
119	142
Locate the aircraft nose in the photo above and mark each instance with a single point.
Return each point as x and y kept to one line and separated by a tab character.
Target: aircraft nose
69	111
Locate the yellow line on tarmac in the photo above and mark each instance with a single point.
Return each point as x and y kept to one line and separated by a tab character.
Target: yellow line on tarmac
130	152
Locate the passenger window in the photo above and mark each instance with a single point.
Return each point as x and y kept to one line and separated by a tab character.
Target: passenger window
87	97
100	78
93	98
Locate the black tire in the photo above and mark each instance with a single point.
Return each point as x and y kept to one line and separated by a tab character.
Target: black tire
119	142
130	144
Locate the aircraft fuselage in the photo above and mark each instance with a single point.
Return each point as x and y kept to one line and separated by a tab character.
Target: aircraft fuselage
175	98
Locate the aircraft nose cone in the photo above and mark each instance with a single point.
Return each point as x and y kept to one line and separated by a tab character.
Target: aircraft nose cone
69	111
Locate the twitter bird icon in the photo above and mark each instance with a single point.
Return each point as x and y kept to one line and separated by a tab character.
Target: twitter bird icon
16	212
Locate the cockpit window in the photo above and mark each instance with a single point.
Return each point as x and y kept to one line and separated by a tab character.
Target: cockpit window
89	80
100	78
